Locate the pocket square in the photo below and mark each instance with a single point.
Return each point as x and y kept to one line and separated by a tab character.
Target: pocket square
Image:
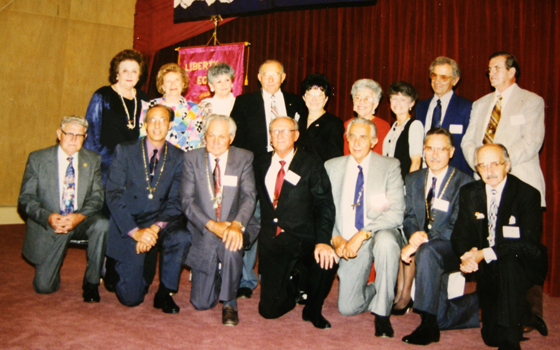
479	216
512	220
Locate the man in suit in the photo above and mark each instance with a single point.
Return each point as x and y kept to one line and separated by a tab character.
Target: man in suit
297	220
446	109
218	198
143	196
368	192
432	204
62	196
497	235
253	113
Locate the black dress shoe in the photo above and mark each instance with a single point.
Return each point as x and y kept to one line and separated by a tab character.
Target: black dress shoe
110	287
317	321
244	293
302	298
423	335
91	293
536	323
400	312
165	302
383	327
229	316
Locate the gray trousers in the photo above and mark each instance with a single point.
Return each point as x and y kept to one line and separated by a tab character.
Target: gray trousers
355	295
94	228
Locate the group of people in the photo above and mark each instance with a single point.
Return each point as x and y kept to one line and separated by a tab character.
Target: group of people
212	185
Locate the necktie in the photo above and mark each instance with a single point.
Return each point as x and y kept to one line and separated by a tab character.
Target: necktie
493	215
359	200
278	188
218	187
493	123
436	115
430	203
153	165
69	189
273	106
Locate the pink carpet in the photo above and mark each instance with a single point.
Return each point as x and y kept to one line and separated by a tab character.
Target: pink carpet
63	321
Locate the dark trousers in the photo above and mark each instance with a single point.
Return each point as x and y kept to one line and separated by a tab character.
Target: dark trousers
277	257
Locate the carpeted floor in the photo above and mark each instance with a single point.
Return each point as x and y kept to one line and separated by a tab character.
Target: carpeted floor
63	321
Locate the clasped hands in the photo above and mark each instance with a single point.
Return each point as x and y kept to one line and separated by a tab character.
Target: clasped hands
470	260
230	233
146	238
62	224
348	249
416	240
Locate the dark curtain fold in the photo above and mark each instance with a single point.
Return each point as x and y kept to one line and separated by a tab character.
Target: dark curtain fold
397	40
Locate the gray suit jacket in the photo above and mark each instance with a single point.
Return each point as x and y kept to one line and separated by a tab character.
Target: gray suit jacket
385	199
39	196
415	214
238	202
521	130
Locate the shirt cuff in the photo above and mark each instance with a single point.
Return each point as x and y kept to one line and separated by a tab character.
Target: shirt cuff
132	232
161	224
489	255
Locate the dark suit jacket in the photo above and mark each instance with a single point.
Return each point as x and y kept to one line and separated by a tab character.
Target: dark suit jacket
458	113
415	214
520	206
238	202
305	211
127	193
249	114
39	196
325	136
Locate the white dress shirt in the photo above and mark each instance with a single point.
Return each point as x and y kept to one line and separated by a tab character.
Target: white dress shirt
445	99
280	108
348	212
272	173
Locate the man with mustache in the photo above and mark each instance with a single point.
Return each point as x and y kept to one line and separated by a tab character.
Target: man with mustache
497	235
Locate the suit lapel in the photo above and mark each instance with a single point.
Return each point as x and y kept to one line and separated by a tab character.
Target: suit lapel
84	175
52	173
229	191
287	187
481	206
504	209
420	205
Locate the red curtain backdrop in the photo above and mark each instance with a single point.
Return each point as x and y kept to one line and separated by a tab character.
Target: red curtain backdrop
397	40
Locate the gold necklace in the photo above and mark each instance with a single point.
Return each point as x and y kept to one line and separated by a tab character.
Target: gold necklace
133	125
428	217
149	188
216	198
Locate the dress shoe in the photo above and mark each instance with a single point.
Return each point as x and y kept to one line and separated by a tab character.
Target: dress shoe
302	298
536	323
165	302
400	312
244	293
383	327
229	316
91	293
423	335
317	321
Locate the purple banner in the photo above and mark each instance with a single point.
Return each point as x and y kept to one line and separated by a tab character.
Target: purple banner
197	60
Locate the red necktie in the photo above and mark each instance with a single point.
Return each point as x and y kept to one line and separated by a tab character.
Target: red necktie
218	187
277	189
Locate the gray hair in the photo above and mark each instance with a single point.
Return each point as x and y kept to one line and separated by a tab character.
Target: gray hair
271	61
505	153
365	122
367	84
74	119
218	117
218	69
296	125
441	60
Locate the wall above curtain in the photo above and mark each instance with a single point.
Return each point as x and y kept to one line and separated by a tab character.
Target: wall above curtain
397	40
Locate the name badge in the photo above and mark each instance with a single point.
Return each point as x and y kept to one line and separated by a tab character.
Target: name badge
441	205
456	128
296	117
511	232
229	180
517	119
292	177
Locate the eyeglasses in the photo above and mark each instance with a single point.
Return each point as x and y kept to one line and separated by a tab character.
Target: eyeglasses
363	99
440	78
72	136
436	149
494	69
284	132
492	166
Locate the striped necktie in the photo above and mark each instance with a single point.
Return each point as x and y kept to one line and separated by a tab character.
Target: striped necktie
493	123
492	216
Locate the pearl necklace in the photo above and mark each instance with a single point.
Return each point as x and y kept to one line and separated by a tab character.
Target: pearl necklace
133	125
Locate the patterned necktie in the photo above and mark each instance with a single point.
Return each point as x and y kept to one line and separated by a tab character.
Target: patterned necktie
359	201
436	115
218	187
273	106
68	189
430	202
493	215
278	188
153	165
493	123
